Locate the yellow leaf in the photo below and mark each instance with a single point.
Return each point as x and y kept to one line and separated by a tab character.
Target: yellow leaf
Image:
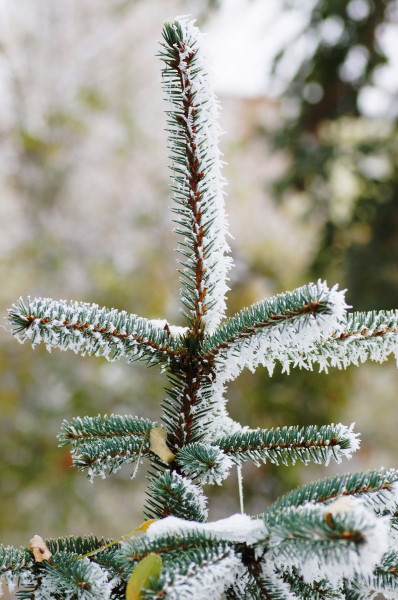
146	572
144	526
158	446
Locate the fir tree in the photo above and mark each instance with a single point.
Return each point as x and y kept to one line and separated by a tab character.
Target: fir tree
331	539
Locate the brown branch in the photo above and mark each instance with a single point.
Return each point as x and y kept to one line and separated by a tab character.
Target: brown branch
356	492
196	375
84	328
286	446
368	333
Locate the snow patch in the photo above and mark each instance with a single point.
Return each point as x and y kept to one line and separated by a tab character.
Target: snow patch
237	528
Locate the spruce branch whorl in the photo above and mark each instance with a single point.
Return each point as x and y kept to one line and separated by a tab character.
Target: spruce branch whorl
193	398
77	545
135	549
88	329
197	182
317	590
105	443
70	578
360	337
264	583
211	463
384	579
109	454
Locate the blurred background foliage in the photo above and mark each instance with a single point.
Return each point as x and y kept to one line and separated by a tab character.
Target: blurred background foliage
313	181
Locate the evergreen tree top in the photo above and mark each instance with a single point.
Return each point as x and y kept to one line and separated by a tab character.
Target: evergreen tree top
330	539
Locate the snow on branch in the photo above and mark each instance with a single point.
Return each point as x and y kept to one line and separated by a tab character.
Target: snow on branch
236	528
79	429
204	463
88	329
377	490
109	454
200	573
289	444
385	578
372	335
196	170
81	579
322	542
295	319
14	559
172	494
105	443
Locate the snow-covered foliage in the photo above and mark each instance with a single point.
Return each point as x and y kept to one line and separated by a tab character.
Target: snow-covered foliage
327	542
362	336
197	182
296	319
202	576
88	329
208	464
92	580
289	444
331	539
171	493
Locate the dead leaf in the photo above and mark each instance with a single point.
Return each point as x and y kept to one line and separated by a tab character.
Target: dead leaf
158	446
39	549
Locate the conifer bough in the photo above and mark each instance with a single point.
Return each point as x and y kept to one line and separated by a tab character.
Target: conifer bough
332	539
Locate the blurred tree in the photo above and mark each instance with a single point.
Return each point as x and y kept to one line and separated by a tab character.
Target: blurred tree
342	139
